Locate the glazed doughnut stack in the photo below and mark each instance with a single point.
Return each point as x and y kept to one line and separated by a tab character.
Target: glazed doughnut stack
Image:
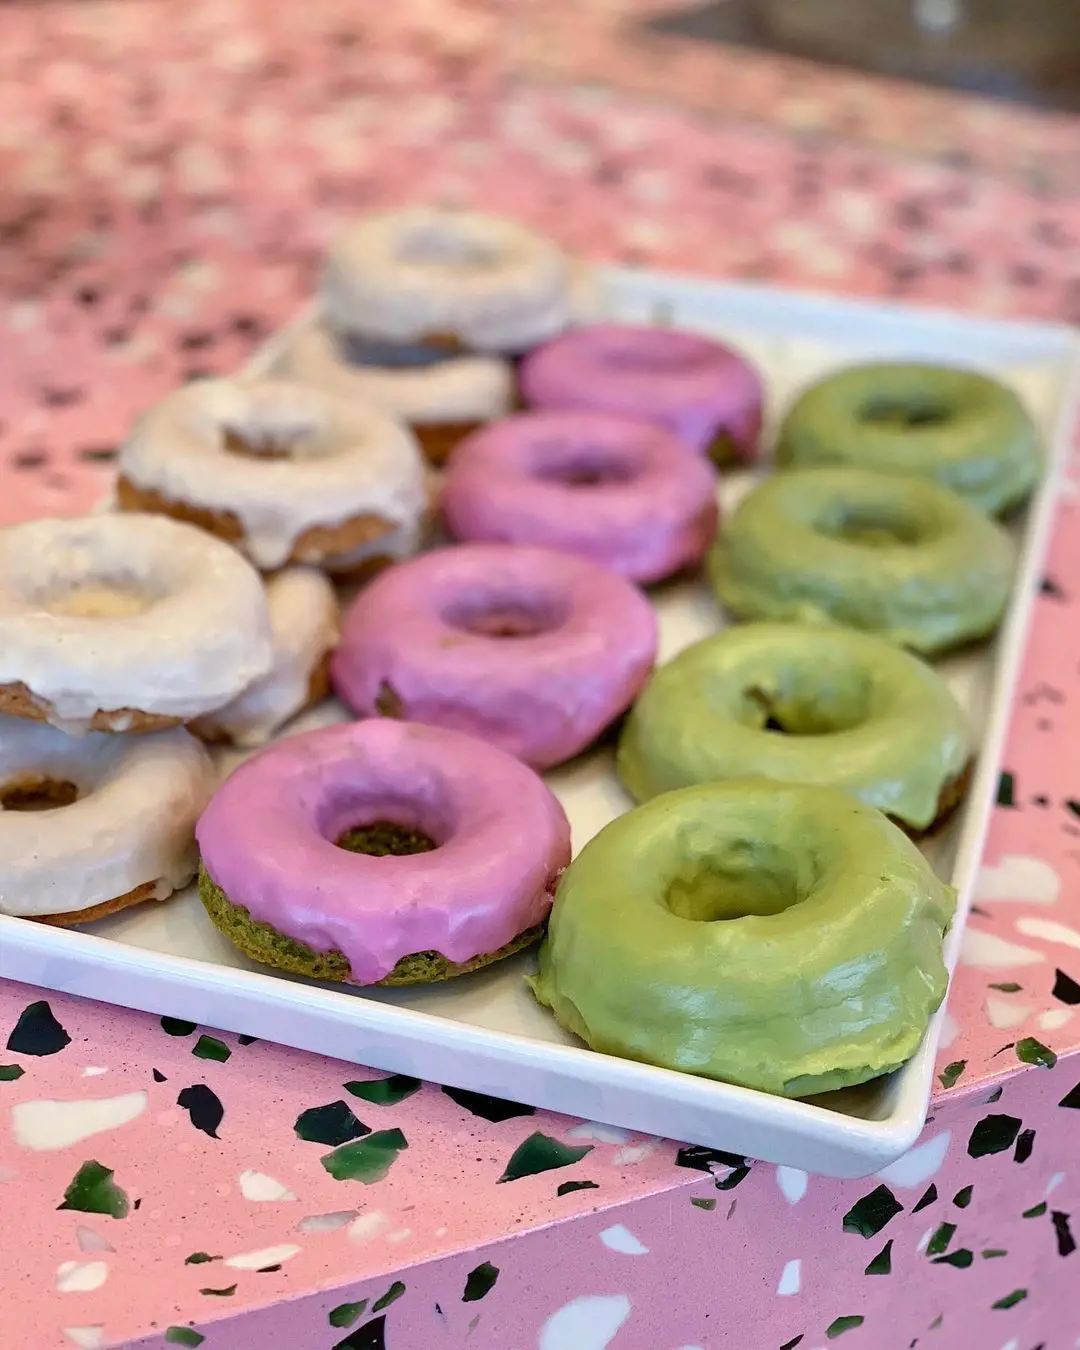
497	482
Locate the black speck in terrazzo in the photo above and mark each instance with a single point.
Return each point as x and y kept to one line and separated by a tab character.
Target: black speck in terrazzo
37	1032
494	1109
331	1124
226	1292
1066	990
882	1263
385	1091
962	1198
196	373
480	1282
203	1106
541	1153
940	1239
1025	1143
1006	790
87	296
790	1345
54	397
93	1191
995	1096
99	454
246	1040
30	459
371	1336
1051	587
727	1169
927	1198
842	1324
961	1259
1066	1243
159	1077
246	325
993	1134
1011	1046
1040	800
195	342
175	1026
570	1186
1031	1051
868	1216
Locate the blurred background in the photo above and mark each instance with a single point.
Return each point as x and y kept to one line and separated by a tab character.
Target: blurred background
171	172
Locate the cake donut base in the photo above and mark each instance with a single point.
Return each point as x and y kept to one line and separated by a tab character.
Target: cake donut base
18	700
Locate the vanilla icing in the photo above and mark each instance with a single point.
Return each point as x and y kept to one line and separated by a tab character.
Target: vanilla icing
304	619
405	275
132	824
342	459
459	389
200	635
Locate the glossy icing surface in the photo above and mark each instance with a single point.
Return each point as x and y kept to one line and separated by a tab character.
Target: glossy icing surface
164	618
304	622
621	493
459	389
268	841
133	821
901	557
693	385
533	650
782	937
410	274
313	459
957	427
801	704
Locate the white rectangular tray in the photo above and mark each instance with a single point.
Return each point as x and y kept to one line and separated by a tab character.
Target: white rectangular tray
484	1031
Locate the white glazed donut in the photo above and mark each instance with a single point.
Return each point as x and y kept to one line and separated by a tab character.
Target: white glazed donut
403	276
129	834
125	622
304	617
284	472
460	389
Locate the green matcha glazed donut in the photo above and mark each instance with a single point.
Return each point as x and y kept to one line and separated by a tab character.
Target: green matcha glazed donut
801	704
900	557
782	937
956	427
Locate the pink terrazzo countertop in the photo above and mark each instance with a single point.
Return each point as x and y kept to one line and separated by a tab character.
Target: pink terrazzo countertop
169	186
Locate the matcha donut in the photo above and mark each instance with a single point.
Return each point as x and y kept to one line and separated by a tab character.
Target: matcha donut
801	704
901	557
782	937
957	427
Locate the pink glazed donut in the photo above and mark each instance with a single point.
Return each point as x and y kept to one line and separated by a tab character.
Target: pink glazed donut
532	650
706	393
279	884
621	493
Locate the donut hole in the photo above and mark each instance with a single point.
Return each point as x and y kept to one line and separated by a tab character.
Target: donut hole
435	350
385	839
873	525
741	878
906	414
37	794
500	615
104	599
578	466
446	250
833	708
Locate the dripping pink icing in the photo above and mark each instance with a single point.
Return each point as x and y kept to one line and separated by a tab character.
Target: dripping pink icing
619	492
693	385
267	840
422	641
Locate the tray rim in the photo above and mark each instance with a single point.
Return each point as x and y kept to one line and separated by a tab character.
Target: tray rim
405	1040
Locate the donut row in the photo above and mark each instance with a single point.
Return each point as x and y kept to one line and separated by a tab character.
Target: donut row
580	465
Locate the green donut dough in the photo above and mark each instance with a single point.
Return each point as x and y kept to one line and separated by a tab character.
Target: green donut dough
859	714
779	936
900	557
956	427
